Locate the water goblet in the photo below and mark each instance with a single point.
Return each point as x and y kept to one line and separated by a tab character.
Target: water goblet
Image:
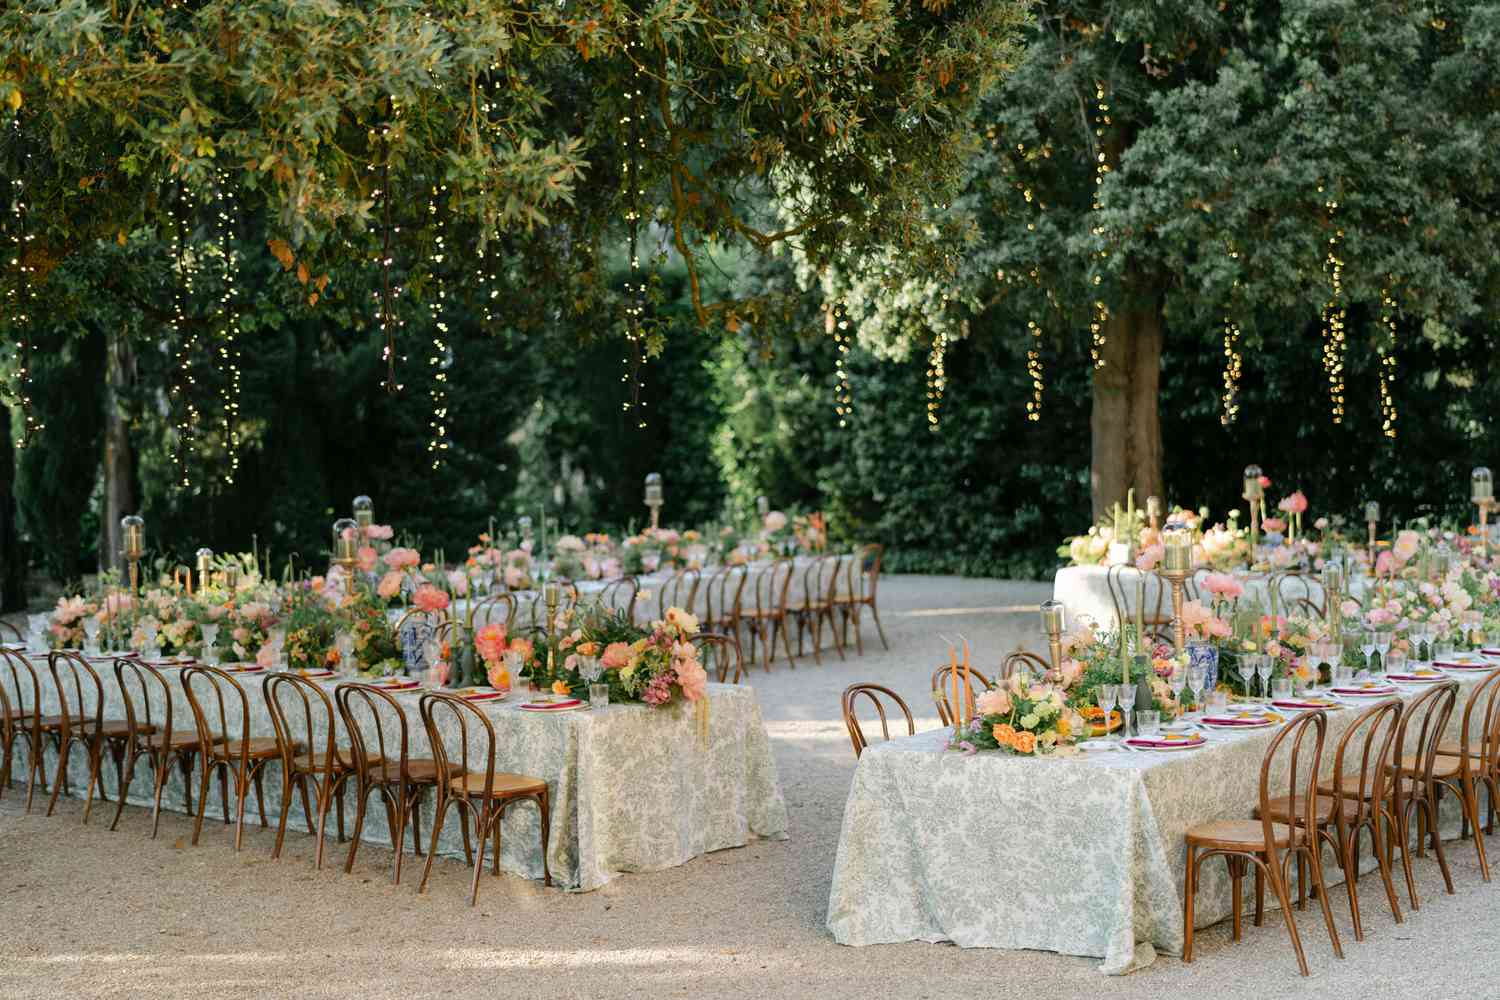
1281	689
1264	668
1127	706
1177	682
37	632
1382	644
1395	663
514	662
1107	695
151	648
1442	649
1367	645
1197	675
345	645
90	634
1148	723
210	636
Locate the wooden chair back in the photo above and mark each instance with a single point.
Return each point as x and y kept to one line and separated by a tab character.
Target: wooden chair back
80	693
1418	737
9	632
942	688
1020	659
772	586
619	596
726	653
1300	745
498	608
723	591
298	707
1372	736
463	718
1126	585
136	681
867	559
378	733
820	580
678	592
1479	739
1297	593
25	688
874	693
208	690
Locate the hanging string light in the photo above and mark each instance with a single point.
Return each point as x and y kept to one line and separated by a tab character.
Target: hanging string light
1387	353
1232	370
441	358
1100	311
1034	370
184	335
1334	345
634	142
226	327
937	380
836	320
387	319
23	300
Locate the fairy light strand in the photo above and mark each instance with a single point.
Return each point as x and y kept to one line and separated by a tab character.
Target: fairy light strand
441	358
226	324
1233	367
1034	371
1334	342
843	395
387	318
1099	312
184	336
937	380
23	305
634	143
1386	350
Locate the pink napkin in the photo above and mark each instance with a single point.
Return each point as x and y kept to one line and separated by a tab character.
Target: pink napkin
1294	703
1144	741
1230	720
1361	690
553	706
1449	665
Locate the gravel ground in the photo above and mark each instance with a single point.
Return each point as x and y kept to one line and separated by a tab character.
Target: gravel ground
87	913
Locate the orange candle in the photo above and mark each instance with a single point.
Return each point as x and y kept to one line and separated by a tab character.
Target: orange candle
968	711
953	672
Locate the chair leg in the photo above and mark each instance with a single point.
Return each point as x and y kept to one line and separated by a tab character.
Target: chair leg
287	781
184	761
307	810
1301	881
326	791
1237	892
96	764
437	830
260	795
1278	883
495	861
208	766
875	613
1437	844
160	765
1470	799
63	751
125	780
224	791
1189	892
786	640
1316	860
1260	896
542	801
1383	860
1403	840
479	834
1348	854
241	793
359	826
33	767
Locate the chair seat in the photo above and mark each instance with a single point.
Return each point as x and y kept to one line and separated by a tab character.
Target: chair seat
803	607
1442	767
1453	748
179	739
1240	835
1281	811
502	786
119	729
1349	785
419	770
255	748
318	761
49	722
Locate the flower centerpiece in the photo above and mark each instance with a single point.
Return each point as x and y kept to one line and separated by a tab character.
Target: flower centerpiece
65	623
376	651
311	623
1023	716
658	666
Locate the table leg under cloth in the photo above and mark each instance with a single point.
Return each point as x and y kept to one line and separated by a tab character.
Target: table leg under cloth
632	788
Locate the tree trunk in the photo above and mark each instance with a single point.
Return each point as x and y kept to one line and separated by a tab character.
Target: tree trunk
13	562
1125	422
119	457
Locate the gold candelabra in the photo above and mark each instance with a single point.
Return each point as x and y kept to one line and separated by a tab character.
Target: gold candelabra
1482	492
1053	622
1253	494
135	548
1177	565
345	549
1153	513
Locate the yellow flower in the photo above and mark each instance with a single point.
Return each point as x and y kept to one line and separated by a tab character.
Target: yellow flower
561	687
1064	727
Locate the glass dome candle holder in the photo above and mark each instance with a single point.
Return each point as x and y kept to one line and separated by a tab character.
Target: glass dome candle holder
1253	489
133	527
345	549
364	512
654	498
1482	491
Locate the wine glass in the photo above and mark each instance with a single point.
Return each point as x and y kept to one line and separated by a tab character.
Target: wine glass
1382	645
1367	645
1107	696
90	634
345	644
151	648
1197	674
1127	706
1177	682
210	636
514	662
1264	669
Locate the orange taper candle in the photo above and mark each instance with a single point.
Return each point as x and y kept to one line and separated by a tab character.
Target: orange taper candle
968	691
953	672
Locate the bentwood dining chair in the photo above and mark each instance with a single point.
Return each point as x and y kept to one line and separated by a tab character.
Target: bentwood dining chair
378	737
1414	785
482	797
820	581
25	723
766	617
7	739
1266	843
680	591
1297	593
942	689
153	735
725	653
299	709
1347	809
864	583
874	693
723	591
498	608
1021	659
80	696
1485	758
1129	587
9	632
619	596
230	751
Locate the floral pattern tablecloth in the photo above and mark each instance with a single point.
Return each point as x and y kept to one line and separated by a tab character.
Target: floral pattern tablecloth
632	788
1081	855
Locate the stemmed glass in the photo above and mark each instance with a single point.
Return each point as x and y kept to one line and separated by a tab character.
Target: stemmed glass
37	625
590	669
210	636
514	661
1265	668
1196	675
1249	664
1177	682
90	634
1127	706
151	648
1368	645
345	644
1382	645
1108	695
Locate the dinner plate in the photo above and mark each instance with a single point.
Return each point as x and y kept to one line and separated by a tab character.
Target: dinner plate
1431	678
1464	664
481	694
1165	745
400	686
1242	721
556	706
1373	691
1098	746
315	675
1306	704
243	668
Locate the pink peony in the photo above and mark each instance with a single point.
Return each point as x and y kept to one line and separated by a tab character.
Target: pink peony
367	558
1273	524
1350	608
616	655
499	677
1385	564
458	582
775	521
490	642
402	558
1202	623
1149	557
266	656
995	701
1407	543
1223	585
514	577
429	598
692	678
390	584
380	532
1294	504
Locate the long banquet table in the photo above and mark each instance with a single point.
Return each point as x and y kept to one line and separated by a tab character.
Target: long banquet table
1082	855
632	788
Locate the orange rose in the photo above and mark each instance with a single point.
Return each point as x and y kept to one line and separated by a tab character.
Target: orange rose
331	658
1024	742
1003	734
561	687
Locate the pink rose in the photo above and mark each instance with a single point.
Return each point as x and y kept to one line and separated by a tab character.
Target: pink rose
458	581
265	656
430	599
1273	524
616	655
514	577
1294	504
995	701
380	532
367	557
1149	557
775	521
402	558
490	642
693	679
1223	585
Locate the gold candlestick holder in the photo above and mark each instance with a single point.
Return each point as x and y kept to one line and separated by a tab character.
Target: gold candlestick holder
134	549
1053	623
1484	527
1153	513
1175	577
